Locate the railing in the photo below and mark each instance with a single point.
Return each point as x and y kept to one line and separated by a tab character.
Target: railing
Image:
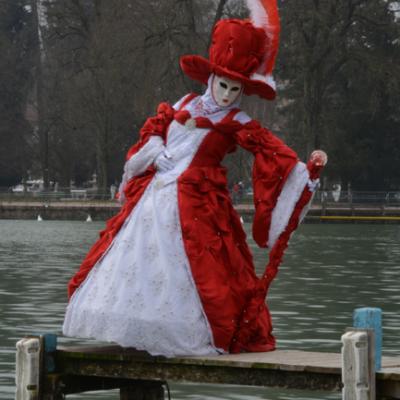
332	198
63	194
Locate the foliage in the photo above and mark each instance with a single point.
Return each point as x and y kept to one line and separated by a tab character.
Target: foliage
109	64
341	88
16	42
102	67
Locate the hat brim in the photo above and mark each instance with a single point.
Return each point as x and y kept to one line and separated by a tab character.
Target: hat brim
199	69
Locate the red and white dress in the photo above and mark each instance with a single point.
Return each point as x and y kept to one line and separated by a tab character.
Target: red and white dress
172	272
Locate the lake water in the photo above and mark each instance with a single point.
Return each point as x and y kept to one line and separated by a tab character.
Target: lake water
328	271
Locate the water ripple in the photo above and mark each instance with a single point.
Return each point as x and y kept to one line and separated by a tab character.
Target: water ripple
328	271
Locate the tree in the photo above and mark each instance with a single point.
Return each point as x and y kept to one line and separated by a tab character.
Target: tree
111	63
108	64
329	51
368	129
16	38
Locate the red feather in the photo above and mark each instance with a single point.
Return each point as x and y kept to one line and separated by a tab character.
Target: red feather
265	14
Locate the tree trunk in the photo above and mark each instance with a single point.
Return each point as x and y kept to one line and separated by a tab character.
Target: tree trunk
43	132
102	163
312	108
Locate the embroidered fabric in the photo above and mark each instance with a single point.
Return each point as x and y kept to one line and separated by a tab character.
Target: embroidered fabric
141	293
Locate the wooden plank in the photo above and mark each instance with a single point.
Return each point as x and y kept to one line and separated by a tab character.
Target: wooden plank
285	359
291	360
291	369
389	373
280	368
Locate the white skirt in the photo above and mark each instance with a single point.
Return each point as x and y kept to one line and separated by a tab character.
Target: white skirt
141	293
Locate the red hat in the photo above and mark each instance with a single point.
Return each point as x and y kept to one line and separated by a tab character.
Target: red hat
242	50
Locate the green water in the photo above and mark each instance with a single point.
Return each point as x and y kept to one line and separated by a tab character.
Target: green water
328	271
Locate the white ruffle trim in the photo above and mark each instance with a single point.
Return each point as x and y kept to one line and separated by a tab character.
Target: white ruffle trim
287	200
313	184
140	161
242	117
268	79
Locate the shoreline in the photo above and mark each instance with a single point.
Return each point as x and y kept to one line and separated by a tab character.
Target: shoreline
78	210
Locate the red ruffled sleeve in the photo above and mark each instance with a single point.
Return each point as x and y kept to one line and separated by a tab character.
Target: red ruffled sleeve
273	162
154	126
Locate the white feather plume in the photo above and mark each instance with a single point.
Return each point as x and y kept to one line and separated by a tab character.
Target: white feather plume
264	14
257	13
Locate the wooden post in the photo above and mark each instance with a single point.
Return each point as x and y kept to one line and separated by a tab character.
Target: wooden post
371	318
362	354
35	358
150	390
27	377
358	365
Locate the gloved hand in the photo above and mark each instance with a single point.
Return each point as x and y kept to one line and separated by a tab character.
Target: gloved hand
316	163
319	158
163	161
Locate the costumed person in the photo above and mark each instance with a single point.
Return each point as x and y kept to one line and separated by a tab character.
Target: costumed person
172	273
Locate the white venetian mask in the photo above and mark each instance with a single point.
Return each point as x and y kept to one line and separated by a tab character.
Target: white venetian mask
225	91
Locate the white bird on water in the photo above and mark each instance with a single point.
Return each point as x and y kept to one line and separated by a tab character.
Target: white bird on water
39	218
89	218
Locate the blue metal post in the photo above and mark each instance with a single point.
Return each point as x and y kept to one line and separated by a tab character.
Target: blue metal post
371	318
50	346
50	342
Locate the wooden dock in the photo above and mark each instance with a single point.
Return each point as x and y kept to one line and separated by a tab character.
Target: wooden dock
80	368
45	371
